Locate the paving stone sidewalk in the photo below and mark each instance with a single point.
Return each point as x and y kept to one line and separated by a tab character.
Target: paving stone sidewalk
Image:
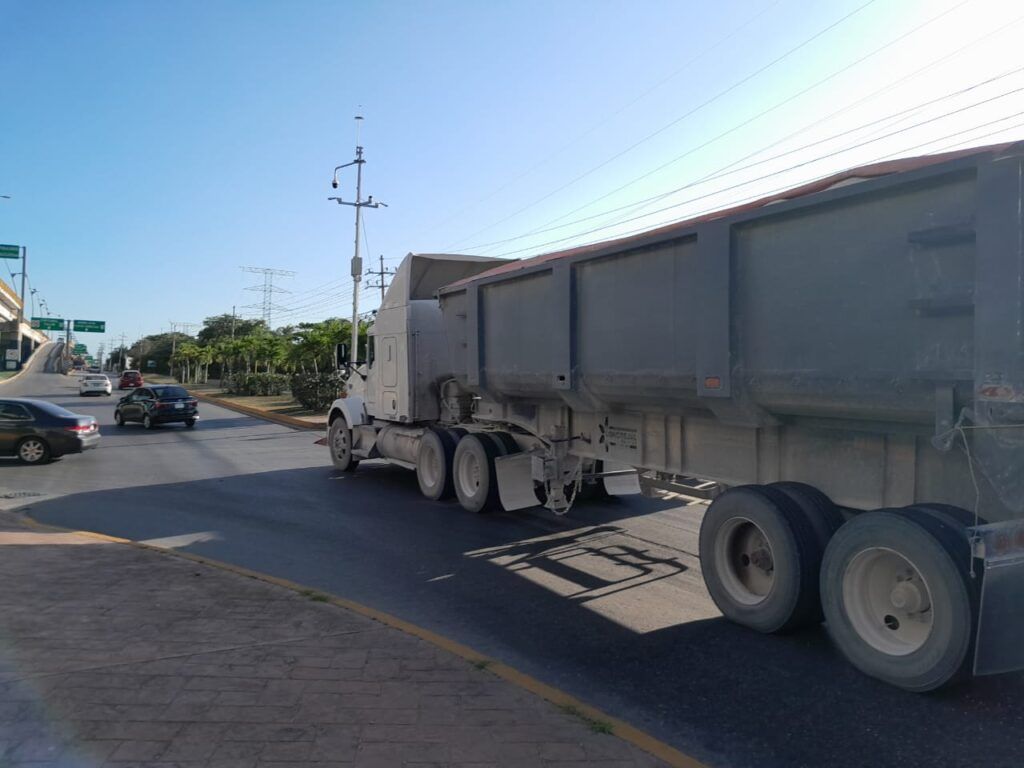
117	655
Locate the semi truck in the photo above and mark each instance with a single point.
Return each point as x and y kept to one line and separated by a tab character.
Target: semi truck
842	364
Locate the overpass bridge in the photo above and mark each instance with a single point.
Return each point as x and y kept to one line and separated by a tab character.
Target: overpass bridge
13	333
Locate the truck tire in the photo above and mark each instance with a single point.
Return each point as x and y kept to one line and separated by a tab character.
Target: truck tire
761	558
504	442
339	441
824	517
898	599
473	473
434	461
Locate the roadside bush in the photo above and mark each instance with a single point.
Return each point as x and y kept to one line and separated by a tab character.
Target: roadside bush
316	391
255	383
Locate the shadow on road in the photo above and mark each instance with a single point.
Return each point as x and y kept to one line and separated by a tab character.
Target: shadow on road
568	607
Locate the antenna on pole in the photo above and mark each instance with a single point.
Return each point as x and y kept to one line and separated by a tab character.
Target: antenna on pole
357	262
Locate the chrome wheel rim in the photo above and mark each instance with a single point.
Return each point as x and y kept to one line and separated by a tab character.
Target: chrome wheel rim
888	601
745	560
31	451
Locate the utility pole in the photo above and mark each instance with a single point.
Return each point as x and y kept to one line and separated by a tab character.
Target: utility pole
122	352
21	309
269	289
381	273
357	262
233	317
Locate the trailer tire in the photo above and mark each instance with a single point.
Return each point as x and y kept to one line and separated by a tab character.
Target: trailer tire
824	517
958	515
473	473
879	570
504	442
760	558
434	461
339	441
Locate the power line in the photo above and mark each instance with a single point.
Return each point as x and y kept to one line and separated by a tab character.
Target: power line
756	117
268	288
679	119
594	126
740	185
729	170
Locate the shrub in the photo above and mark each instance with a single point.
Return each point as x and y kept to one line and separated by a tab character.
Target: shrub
316	391
255	383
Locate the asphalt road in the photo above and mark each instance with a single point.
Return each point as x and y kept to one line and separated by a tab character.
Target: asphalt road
606	604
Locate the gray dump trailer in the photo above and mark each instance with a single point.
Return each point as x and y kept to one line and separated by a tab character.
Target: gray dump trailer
842	365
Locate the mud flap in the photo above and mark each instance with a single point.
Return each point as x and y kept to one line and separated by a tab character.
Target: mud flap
515	481
625	481
1001	615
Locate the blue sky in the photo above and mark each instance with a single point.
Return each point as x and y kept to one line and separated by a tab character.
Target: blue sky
153	148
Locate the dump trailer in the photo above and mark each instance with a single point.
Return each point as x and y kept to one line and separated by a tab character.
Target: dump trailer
843	364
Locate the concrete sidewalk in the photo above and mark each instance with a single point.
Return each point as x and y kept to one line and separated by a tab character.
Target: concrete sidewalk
112	654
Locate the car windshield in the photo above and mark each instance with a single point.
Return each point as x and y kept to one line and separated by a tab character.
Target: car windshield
168	393
95	378
130	374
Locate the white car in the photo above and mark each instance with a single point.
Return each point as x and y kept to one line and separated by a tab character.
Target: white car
93	384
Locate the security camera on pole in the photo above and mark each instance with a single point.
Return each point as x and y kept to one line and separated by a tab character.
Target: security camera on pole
357	262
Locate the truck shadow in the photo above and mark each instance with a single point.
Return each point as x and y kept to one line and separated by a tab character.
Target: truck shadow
622	623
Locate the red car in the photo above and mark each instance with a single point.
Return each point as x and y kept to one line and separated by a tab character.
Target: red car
130	380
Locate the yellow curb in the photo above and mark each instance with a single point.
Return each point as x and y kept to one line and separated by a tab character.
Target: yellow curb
556	696
279	418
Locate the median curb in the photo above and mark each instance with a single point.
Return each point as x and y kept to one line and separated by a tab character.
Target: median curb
277	418
565	701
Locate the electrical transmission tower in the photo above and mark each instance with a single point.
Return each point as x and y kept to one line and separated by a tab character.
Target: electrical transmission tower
267	306
380	273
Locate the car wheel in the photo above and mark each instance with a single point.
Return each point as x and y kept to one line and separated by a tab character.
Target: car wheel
118	419
33	450
190	423
147	421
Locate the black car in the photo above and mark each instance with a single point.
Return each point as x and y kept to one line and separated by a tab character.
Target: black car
36	430
159	404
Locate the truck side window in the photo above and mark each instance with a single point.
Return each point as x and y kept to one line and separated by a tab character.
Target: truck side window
371	348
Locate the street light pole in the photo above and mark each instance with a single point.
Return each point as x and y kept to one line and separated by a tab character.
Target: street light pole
357	262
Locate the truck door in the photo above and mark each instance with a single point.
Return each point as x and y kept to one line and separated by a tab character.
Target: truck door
387	359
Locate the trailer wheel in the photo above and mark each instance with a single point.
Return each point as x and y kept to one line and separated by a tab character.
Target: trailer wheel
473	473
760	558
824	517
898	599
339	439
434	464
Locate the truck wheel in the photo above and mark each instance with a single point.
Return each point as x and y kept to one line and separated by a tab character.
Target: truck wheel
824	517
897	597
434	464
340	442
760	558
473	473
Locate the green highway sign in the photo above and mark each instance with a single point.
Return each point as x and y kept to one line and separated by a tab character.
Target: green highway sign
48	323
89	326
80	349
10	251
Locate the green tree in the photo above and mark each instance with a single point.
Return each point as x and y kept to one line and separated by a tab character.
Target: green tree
228	326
